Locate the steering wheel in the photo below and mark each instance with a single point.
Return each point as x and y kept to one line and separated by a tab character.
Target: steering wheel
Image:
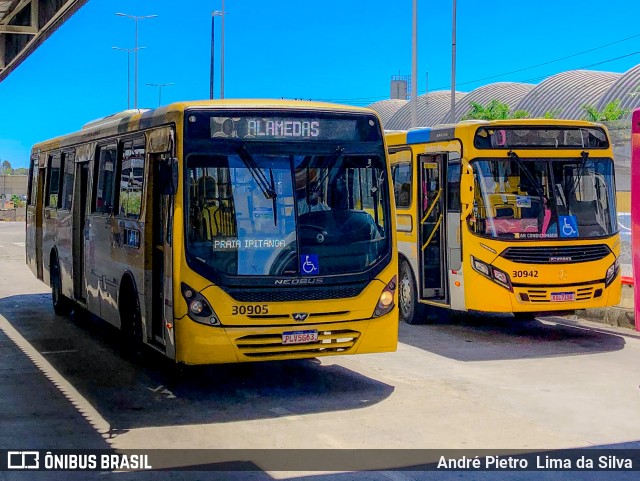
286	261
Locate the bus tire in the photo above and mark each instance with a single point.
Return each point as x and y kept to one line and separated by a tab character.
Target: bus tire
62	305
130	318
411	311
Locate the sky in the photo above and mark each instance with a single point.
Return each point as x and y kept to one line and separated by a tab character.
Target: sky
343	51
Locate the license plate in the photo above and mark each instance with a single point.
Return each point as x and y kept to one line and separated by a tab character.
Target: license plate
299	337
563	296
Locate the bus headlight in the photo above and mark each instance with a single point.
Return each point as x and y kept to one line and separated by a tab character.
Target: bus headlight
199	309
196	307
480	266
493	273
502	278
385	301
612	271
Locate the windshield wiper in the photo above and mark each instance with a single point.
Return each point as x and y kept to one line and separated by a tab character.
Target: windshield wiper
585	156
523	168
331	162
267	187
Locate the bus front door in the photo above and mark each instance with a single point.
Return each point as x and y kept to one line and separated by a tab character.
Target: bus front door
432	228
162	266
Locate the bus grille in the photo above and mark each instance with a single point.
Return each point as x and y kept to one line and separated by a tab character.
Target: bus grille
556	255
544	295
298	293
270	345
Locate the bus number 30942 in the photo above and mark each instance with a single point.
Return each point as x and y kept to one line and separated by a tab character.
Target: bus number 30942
525	273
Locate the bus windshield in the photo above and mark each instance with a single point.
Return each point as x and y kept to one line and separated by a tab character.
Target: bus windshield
526	198
267	208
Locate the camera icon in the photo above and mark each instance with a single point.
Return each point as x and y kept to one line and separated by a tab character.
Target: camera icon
23	460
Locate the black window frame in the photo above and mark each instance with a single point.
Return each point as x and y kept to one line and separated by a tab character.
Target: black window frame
53	157
68	158
118	183
111	145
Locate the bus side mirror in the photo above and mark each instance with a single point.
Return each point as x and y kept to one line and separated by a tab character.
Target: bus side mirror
168	176
466	191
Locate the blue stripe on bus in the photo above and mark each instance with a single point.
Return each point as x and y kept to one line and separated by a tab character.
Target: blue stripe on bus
418	136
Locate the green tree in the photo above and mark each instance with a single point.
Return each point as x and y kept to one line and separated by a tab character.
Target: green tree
6	169
610	112
21	171
552	114
494	110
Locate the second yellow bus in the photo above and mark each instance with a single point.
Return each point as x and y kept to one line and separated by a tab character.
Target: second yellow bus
515	216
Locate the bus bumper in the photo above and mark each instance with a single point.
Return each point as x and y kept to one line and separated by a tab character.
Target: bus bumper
540	299
201	344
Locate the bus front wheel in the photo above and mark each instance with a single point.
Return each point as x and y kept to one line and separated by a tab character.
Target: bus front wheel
61	305
410	309
130	318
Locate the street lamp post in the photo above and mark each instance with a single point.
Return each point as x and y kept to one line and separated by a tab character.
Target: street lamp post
160	90
414	67
221	14
214	14
135	82
128	50
453	64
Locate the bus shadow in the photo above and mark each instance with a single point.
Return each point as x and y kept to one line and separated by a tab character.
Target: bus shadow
133	390
476	337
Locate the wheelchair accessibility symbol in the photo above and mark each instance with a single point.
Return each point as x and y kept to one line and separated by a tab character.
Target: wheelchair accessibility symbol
309	265
568	226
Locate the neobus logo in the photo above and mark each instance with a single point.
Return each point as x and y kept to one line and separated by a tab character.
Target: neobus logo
294	282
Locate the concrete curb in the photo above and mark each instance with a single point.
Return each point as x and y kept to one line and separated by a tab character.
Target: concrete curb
613	316
621	315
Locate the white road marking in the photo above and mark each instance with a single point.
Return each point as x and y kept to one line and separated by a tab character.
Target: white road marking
21	244
59	352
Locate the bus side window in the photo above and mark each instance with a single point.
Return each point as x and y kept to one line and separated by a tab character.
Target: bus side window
402	184
68	162
401	175
53	184
104	193
132	177
33	180
453	185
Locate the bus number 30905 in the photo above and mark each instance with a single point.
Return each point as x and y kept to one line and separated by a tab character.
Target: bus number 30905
525	273
250	309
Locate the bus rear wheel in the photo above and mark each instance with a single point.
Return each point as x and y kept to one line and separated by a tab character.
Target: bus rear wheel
61	305
411	311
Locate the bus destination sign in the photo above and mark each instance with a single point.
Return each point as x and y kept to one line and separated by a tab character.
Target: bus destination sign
283	128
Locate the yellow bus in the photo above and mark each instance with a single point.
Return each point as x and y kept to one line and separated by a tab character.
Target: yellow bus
513	216
222	231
